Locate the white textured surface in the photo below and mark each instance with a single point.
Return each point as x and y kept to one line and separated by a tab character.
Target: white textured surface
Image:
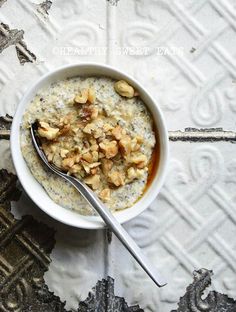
192	223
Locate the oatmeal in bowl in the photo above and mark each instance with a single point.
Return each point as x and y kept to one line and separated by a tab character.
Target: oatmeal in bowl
99	129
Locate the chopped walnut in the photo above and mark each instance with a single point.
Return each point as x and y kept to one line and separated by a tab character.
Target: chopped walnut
65	130
98	133
64	152
91	95
94	165
139	139
94	114
107	127
116	178
67	163
105	194
125	145
85	165
90	143
93	180
110	148
94	147
95	155
89	128
67	119
89	112
45	131
94	170
57	160
135	146
88	157
75	130
77	158
133	173
124	89
118	132
82	98
49	151
106	165
75	169
140	160
101	155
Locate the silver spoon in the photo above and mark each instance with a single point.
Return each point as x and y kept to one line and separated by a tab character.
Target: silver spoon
104	212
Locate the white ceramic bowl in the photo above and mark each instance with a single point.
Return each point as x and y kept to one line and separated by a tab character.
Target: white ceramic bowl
36	191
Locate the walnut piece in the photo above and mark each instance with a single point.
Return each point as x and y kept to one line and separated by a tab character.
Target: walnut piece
125	145
85	165
133	173
65	130
106	165
88	157
75	169
64	152
95	156
140	160
89	128
85	95
116	178
109	148
105	194
94	147
139	139
67	163
94	170
67	119
91	95
118	132
94	165
49	150
89	112
107	127
45	131
82	98
93	180
135	146
124	89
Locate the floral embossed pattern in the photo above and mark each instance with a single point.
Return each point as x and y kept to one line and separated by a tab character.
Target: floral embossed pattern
192	224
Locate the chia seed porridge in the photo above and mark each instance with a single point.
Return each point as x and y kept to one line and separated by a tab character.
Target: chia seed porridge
96	129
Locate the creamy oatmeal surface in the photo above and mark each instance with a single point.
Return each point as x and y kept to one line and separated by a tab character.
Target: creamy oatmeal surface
96	129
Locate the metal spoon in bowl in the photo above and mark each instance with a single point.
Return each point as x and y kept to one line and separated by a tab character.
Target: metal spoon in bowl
104	212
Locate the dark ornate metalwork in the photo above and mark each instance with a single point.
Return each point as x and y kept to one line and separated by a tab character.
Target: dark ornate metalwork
113	2
214	302
25	246
10	37
45	6
1	2
5	125
203	135
8	189
102	299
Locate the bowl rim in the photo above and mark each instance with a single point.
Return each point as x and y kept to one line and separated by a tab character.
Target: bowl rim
71	217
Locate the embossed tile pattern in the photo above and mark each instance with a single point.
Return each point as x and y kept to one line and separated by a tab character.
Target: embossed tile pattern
192	223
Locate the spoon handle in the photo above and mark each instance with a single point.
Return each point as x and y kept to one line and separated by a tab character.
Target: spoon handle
106	215
118	230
